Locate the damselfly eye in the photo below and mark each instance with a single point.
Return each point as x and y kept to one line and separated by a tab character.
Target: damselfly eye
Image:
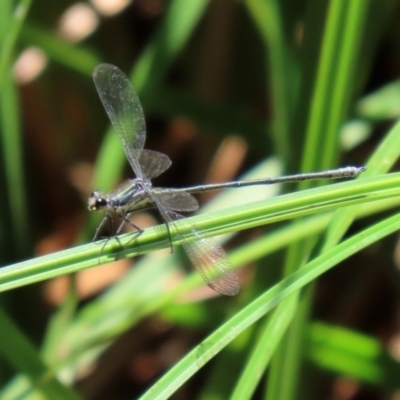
97	201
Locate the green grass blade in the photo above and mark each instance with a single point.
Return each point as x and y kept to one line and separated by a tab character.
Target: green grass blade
276	209
267	18
260	356
219	339
14	168
10	37
179	22
346	352
25	358
327	110
77	58
381	161
329	106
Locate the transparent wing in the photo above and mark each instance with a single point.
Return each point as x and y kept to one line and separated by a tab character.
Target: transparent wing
124	110
153	163
177	201
208	257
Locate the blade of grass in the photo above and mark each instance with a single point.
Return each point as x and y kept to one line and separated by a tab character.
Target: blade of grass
267	18
381	161
329	107
78	58
352	354
282	237
264	348
15	201
214	343
10	36
178	24
327	112
25	358
17	204
347	346
243	217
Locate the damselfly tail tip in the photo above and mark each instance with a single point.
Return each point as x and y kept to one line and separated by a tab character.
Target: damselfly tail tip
361	169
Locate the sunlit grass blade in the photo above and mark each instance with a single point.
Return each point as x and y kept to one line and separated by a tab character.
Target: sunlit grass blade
354	354
276	209
260	356
220	338
381	161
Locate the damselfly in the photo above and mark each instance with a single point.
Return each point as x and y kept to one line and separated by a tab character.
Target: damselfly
125	112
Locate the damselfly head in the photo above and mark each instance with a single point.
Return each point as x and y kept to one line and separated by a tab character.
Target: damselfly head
97	201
